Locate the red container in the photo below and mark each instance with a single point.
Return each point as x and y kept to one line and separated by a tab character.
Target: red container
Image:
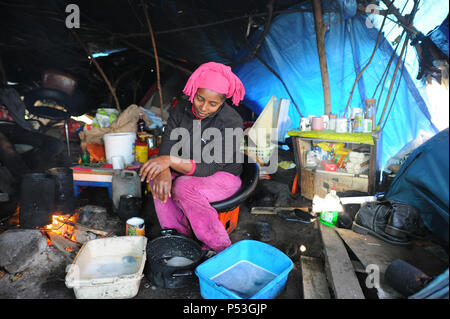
229	219
329	166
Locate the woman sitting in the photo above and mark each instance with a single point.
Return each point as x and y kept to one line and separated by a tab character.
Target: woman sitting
183	186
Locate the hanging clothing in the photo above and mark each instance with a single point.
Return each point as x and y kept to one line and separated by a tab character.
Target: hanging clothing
14	129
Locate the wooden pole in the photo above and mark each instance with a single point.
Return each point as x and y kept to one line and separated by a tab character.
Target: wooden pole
393	81
100	70
407	24
158	79
320	37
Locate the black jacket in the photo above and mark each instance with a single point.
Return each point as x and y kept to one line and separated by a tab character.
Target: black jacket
214	150
16	108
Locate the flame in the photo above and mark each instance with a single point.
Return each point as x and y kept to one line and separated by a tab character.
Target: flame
60	226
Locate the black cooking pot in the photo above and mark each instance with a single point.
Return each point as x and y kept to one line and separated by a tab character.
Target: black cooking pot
64	198
37	200
172	259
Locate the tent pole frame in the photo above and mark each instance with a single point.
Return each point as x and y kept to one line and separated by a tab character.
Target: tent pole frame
320	37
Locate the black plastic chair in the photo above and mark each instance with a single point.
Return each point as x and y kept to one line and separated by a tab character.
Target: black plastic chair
249	177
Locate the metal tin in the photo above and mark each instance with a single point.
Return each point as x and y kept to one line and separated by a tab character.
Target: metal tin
135	227
358	124
141	154
151	141
350	125
341	125
367	125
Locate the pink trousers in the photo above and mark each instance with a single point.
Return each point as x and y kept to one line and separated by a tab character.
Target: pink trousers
188	210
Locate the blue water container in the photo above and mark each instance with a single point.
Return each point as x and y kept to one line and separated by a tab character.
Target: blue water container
248	269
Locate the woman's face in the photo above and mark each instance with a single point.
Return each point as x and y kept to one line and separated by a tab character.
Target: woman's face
207	102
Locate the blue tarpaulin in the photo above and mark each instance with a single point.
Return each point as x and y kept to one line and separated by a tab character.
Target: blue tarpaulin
437	289
290	49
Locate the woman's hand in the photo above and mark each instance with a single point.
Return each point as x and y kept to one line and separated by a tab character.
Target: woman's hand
162	185
153	167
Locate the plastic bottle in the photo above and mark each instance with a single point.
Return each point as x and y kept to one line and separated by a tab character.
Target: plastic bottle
330	211
85	156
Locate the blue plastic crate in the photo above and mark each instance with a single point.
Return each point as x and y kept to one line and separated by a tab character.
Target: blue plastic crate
256	271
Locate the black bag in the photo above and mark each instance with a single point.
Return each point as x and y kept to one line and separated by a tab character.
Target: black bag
373	218
405	221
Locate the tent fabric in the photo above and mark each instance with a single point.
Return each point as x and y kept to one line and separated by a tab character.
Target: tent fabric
436	289
347	8
290	49
439	36
423	182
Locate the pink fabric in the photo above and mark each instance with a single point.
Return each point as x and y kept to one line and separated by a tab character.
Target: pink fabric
217	77
189	212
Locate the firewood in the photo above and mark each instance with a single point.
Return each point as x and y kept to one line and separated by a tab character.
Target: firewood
63	244
89	229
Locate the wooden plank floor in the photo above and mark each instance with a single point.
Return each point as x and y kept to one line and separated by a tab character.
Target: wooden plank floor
314	280
373	251
339	268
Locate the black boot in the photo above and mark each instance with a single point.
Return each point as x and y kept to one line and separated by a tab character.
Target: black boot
372	219
405	221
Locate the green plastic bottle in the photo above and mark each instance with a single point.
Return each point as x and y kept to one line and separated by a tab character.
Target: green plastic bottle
329	218
85	157
330	213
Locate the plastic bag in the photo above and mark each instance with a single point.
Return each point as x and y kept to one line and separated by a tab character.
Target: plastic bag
312	158
96	152
104	117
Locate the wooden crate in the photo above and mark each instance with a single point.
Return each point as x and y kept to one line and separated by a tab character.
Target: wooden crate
318	182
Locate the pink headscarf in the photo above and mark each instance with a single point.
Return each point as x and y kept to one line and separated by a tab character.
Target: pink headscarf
217	77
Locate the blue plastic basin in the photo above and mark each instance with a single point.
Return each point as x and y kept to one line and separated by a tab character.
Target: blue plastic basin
248	269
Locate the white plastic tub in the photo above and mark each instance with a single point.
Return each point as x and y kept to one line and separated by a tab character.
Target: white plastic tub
108	268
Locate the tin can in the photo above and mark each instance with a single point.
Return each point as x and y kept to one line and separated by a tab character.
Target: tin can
358	125
332	124
367	123
350	123
341	125
158	140
135	227
151	141
141	154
